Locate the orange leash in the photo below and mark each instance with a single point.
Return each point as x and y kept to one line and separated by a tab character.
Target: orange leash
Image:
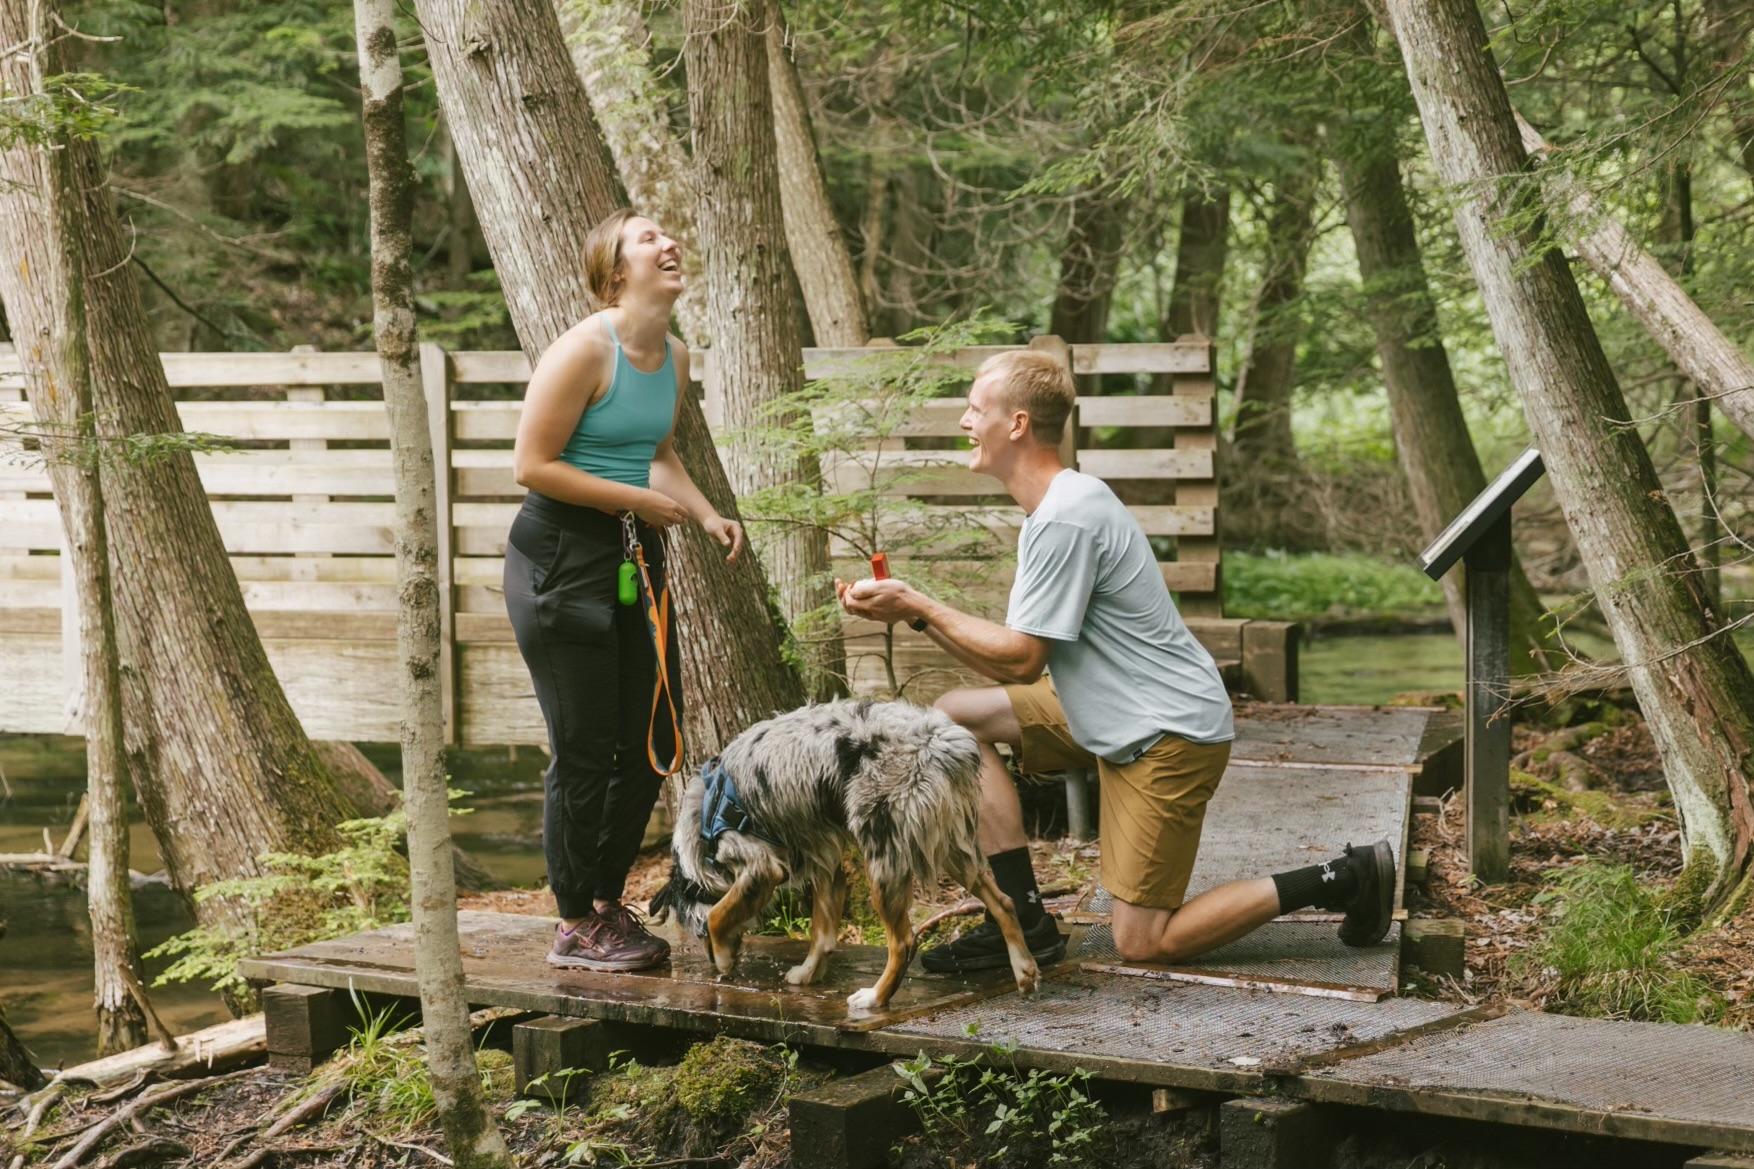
657	605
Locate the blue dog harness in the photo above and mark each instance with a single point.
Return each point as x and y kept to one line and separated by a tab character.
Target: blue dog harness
720	809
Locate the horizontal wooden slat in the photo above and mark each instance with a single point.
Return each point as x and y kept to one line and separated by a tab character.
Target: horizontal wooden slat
489	365
474	421
261	472
1158	464
35	619
1144	410
1190	576
186	370
1134	357
1175	520
18	567
249	526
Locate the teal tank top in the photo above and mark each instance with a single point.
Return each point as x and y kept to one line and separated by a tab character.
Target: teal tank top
620	432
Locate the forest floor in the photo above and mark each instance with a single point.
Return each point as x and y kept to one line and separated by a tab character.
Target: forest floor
722	1103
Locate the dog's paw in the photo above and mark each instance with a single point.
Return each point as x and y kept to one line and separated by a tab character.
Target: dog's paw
803	974
863	1000
1028	979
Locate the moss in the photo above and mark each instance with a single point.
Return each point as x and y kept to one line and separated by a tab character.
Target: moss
1541	801
497	1077
727	1078
1684	902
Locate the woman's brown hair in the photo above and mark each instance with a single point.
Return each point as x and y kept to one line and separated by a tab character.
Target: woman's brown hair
602	256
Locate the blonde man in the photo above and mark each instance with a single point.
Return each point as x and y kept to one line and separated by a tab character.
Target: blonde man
1131	693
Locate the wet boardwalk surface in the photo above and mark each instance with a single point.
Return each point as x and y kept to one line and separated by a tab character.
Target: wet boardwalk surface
1658	1082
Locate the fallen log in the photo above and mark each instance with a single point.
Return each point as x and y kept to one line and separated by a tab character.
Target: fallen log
213	1049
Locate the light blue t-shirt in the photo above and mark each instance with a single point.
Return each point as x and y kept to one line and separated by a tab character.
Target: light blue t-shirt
1125	666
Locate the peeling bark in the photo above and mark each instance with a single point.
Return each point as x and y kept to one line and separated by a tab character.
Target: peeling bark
756	343
222	768
538	171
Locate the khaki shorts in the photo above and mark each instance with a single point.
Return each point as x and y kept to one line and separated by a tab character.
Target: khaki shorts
1152	809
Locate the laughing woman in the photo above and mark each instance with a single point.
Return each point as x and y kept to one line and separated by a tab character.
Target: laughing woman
585	587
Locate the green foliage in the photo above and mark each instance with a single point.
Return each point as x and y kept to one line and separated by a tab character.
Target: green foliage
71	105
384	1071
298	899
856	419
1610	951
80	444
1297	588
974	1111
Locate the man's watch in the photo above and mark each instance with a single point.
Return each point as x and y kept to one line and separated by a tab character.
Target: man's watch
918	624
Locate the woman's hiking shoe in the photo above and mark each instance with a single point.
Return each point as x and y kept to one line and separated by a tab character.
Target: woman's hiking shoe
983	948
1372	907
611	940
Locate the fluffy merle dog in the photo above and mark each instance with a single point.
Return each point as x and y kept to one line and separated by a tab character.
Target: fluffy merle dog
900	781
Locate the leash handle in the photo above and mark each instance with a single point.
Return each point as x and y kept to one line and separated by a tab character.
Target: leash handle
657	604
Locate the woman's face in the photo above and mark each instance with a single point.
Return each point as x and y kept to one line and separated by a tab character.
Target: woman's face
651	262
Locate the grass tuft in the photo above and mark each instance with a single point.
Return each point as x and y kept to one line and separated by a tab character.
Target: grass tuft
1609	952
1279	587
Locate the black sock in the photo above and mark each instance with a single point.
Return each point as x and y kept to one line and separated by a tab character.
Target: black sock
1016	879
1328	886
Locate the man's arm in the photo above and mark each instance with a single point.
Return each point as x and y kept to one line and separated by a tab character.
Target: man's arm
1002	654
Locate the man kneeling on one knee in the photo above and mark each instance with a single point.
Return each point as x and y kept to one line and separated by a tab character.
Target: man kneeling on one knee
1131	692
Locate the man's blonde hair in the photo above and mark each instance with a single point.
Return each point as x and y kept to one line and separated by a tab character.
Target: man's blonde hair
1037	383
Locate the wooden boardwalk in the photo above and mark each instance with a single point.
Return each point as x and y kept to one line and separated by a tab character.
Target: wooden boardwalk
1682	1086
1653	1082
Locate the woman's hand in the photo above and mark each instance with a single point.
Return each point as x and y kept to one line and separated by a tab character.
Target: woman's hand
727	532
660	511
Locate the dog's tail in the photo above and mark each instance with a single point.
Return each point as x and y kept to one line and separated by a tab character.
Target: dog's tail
929	824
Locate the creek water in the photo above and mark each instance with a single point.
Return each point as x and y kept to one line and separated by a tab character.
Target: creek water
45	958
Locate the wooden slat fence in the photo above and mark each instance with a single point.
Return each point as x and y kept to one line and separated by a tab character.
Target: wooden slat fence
304	505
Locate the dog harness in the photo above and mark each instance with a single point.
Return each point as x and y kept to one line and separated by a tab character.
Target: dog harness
721	810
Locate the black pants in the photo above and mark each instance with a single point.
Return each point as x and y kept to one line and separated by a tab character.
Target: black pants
593	665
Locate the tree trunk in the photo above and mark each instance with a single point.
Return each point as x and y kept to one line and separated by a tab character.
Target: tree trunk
62	403
222	768
819	251
1196	293
469	1129
1202	243
906	250
1691	339
1260	436
1088	265
1693	685
459	217
1431	435
611	53
756	344
16	1066
537	170
1728	25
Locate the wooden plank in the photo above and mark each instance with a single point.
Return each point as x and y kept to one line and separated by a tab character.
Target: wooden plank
1487	586
1184	355
18	566
435	378
1143	410
284	421
318	596
341	689
1185	577
187	370
39	619
489	365
246	525
498	703
38	709
1199	490
1180	463
477	421
359	569
30	594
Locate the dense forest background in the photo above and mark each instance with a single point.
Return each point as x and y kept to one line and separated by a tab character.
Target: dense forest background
1089	168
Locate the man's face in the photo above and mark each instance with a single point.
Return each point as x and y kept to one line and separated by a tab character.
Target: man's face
989	426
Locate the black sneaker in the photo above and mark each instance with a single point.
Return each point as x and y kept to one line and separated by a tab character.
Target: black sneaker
983	948
1372	907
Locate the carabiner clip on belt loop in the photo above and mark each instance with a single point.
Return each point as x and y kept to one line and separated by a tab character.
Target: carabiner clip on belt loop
629	536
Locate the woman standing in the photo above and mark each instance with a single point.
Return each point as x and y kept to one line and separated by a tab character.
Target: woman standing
594	449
